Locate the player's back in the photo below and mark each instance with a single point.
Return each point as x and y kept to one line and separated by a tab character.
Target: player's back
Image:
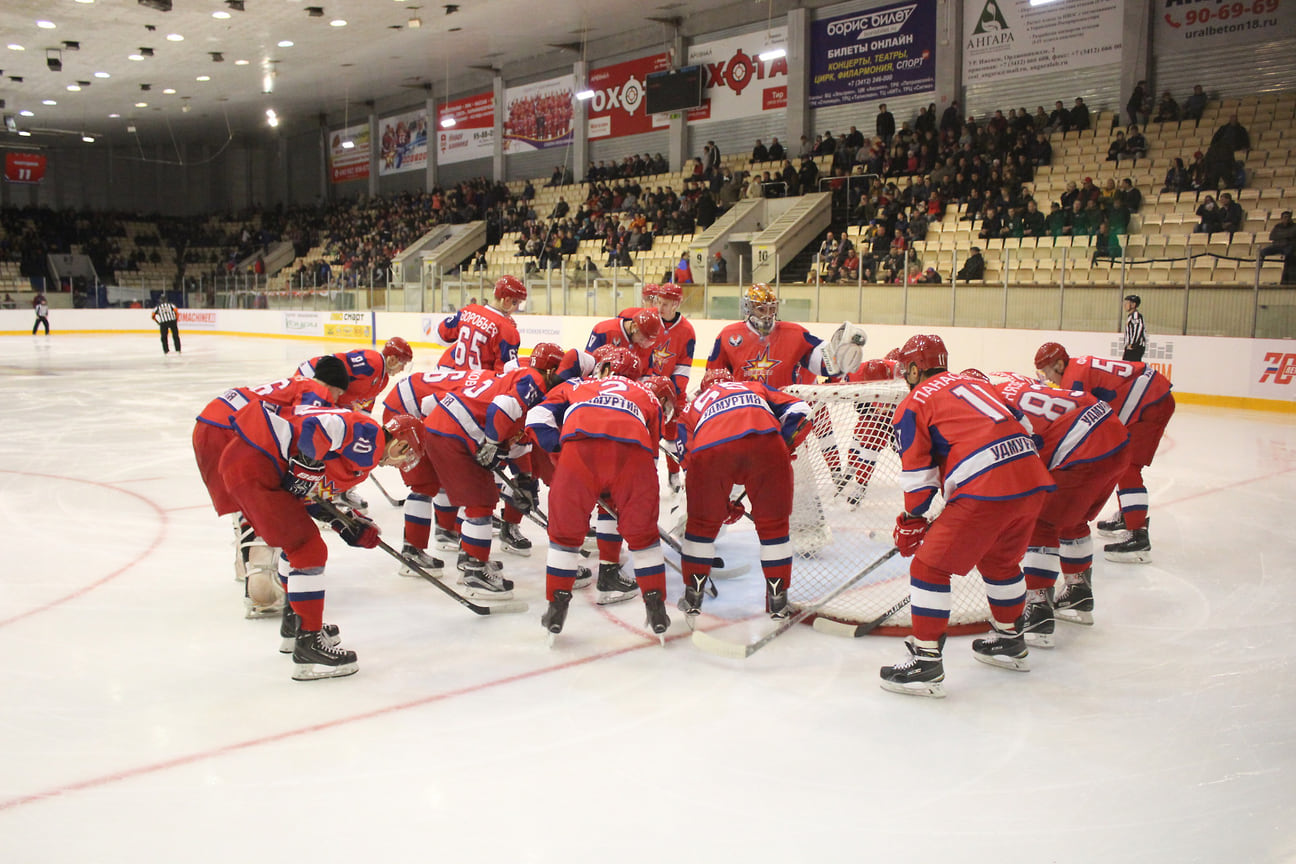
1128	386
483	338
733	409
279	394
412	393
1070	427
615	408
367	371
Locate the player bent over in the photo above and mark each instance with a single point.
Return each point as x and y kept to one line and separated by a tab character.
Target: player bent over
274	464
255	562
1142	400
1083	443
956	434
739	432
608	429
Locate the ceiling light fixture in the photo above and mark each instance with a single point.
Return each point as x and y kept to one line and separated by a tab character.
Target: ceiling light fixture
26	113
222	14
48	102
338	22
141	104
174	37
135	57
54	60
14	46
89	139
240	62
272	118
102	75
285	43
45	25
24	133
203	78
170	91
74	88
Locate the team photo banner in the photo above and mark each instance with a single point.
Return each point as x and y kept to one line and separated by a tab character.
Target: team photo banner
538	116
1012	38
402	143
473	134
738	82
617	108
349	163
1183	27
873	55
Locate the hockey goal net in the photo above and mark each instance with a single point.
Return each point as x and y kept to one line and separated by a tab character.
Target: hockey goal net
846	496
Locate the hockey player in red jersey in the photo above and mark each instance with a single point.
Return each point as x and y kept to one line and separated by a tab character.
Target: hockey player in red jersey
485	336
368	370
765	349
606	431
1142	400
739	432
957	436
473	427
1083	443
641	333
276	463
673	356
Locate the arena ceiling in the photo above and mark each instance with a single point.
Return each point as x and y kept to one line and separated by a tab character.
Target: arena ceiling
208	67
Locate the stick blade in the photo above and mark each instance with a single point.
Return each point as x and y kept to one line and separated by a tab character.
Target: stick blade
508	607
720	647
836	628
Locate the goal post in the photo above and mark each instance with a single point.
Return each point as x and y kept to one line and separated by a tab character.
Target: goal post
846	495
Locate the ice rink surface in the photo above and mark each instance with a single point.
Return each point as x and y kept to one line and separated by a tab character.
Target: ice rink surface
144	719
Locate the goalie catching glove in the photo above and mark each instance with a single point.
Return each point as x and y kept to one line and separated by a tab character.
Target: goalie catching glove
303	475
845	349
909	533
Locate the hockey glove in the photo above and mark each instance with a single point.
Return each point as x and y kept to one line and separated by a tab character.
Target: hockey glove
909	533
356	531
303	475
527	493
488	455
736	511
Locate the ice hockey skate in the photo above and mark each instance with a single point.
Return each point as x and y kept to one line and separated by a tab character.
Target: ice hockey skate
315	657
1075	603
446	541
290	626
1005	648
776	600
922	673
485	581
584	577
657	621
434	566
691	603
1037	618
1136	550
612	586
1113	526
556	615
512	540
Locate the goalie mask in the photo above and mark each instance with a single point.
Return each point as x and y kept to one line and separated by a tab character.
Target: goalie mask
760	308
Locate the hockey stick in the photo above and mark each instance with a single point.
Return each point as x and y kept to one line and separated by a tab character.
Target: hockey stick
390	500
507	607
840	628
718	570
735	651
534	513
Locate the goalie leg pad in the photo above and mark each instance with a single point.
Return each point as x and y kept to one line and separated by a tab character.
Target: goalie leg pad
263	592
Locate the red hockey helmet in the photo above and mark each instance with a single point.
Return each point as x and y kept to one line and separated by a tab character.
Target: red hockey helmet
976	374
617	361
665	291
648	325
510	288
664	390
874	370
715	376
398	348
893	354
650	291
405	428
1050	353
546	356
924	351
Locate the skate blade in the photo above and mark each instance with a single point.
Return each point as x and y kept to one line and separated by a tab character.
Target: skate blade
1012	664
252	613
521	553
1039	640
607	598
583	582
930	689
1118	533
313	672
448	545
550	639
1074	616
438	572
483	594
1143	557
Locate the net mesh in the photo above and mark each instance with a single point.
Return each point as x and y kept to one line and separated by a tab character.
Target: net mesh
846	496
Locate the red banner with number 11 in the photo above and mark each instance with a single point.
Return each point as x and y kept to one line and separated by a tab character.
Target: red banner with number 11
24	167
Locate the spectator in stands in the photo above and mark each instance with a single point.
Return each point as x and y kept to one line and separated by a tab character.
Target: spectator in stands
849	267
1106	243
1195	104
1116	148
1231	214
991	224
1056	221
1197	171
479	261
1167	109
1177	178
973	267
885	124
1069	196
1139	105
776	151
1041	151
931	277
1282	243
1079	115
1210	217
1059	120
8	301
556	178
807	177
1128	196
683	272
710	158
828	248
1030	222
867	267
760	153
1136	145
528	191
1221	164
589	268
719	271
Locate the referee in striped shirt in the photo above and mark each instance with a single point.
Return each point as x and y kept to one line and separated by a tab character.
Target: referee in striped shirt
1135	332
166	318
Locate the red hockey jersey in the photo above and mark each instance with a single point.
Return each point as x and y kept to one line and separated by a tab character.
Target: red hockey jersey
480	337
1069	427
487	406
416	395
956	435
349	443
279	394
368	373
773	360
1129	387
612	407
735	409
612	332
672	357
